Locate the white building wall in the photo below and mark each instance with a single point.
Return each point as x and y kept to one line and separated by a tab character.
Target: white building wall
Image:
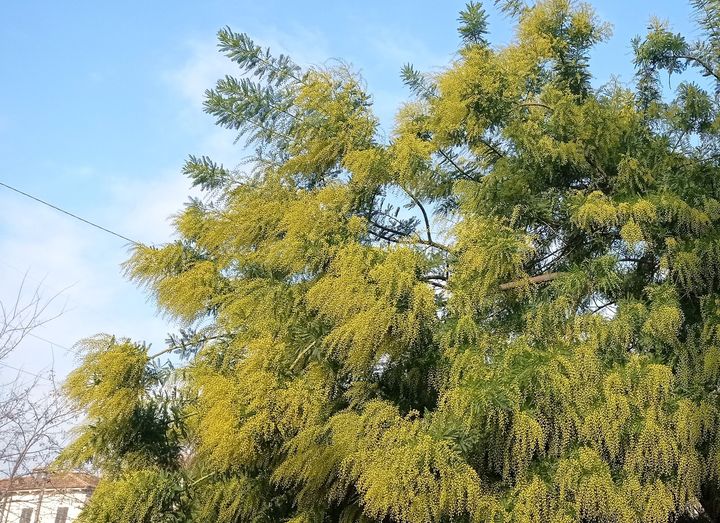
48	504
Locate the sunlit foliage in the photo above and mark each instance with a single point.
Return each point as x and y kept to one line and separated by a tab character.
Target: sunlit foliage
507	311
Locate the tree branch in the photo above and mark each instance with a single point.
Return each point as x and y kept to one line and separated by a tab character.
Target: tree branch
464	173
401	234
492	148
595	166
541	278
417	202
432	282
700	62
536	104
160	353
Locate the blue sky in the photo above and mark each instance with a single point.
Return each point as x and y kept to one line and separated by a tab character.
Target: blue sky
100	103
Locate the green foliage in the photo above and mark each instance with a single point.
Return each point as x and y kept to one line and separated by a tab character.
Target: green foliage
508	312
130	422
150	496
205	173
473	24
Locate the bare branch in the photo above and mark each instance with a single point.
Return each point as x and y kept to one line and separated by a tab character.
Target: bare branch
34	416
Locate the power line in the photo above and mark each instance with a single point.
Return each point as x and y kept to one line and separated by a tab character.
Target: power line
52	343
88	222
24	371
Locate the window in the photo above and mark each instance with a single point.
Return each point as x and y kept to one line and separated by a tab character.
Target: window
61	515
26	515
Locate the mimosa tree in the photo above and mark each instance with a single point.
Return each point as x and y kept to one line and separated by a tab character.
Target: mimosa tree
507	312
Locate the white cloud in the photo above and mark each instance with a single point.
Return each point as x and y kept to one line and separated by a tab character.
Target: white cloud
203	66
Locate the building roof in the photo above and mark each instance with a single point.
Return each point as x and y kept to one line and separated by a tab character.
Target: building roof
64	481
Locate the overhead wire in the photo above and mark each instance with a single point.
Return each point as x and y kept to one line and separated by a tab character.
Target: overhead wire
18	369
75	216
52	343
88	222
